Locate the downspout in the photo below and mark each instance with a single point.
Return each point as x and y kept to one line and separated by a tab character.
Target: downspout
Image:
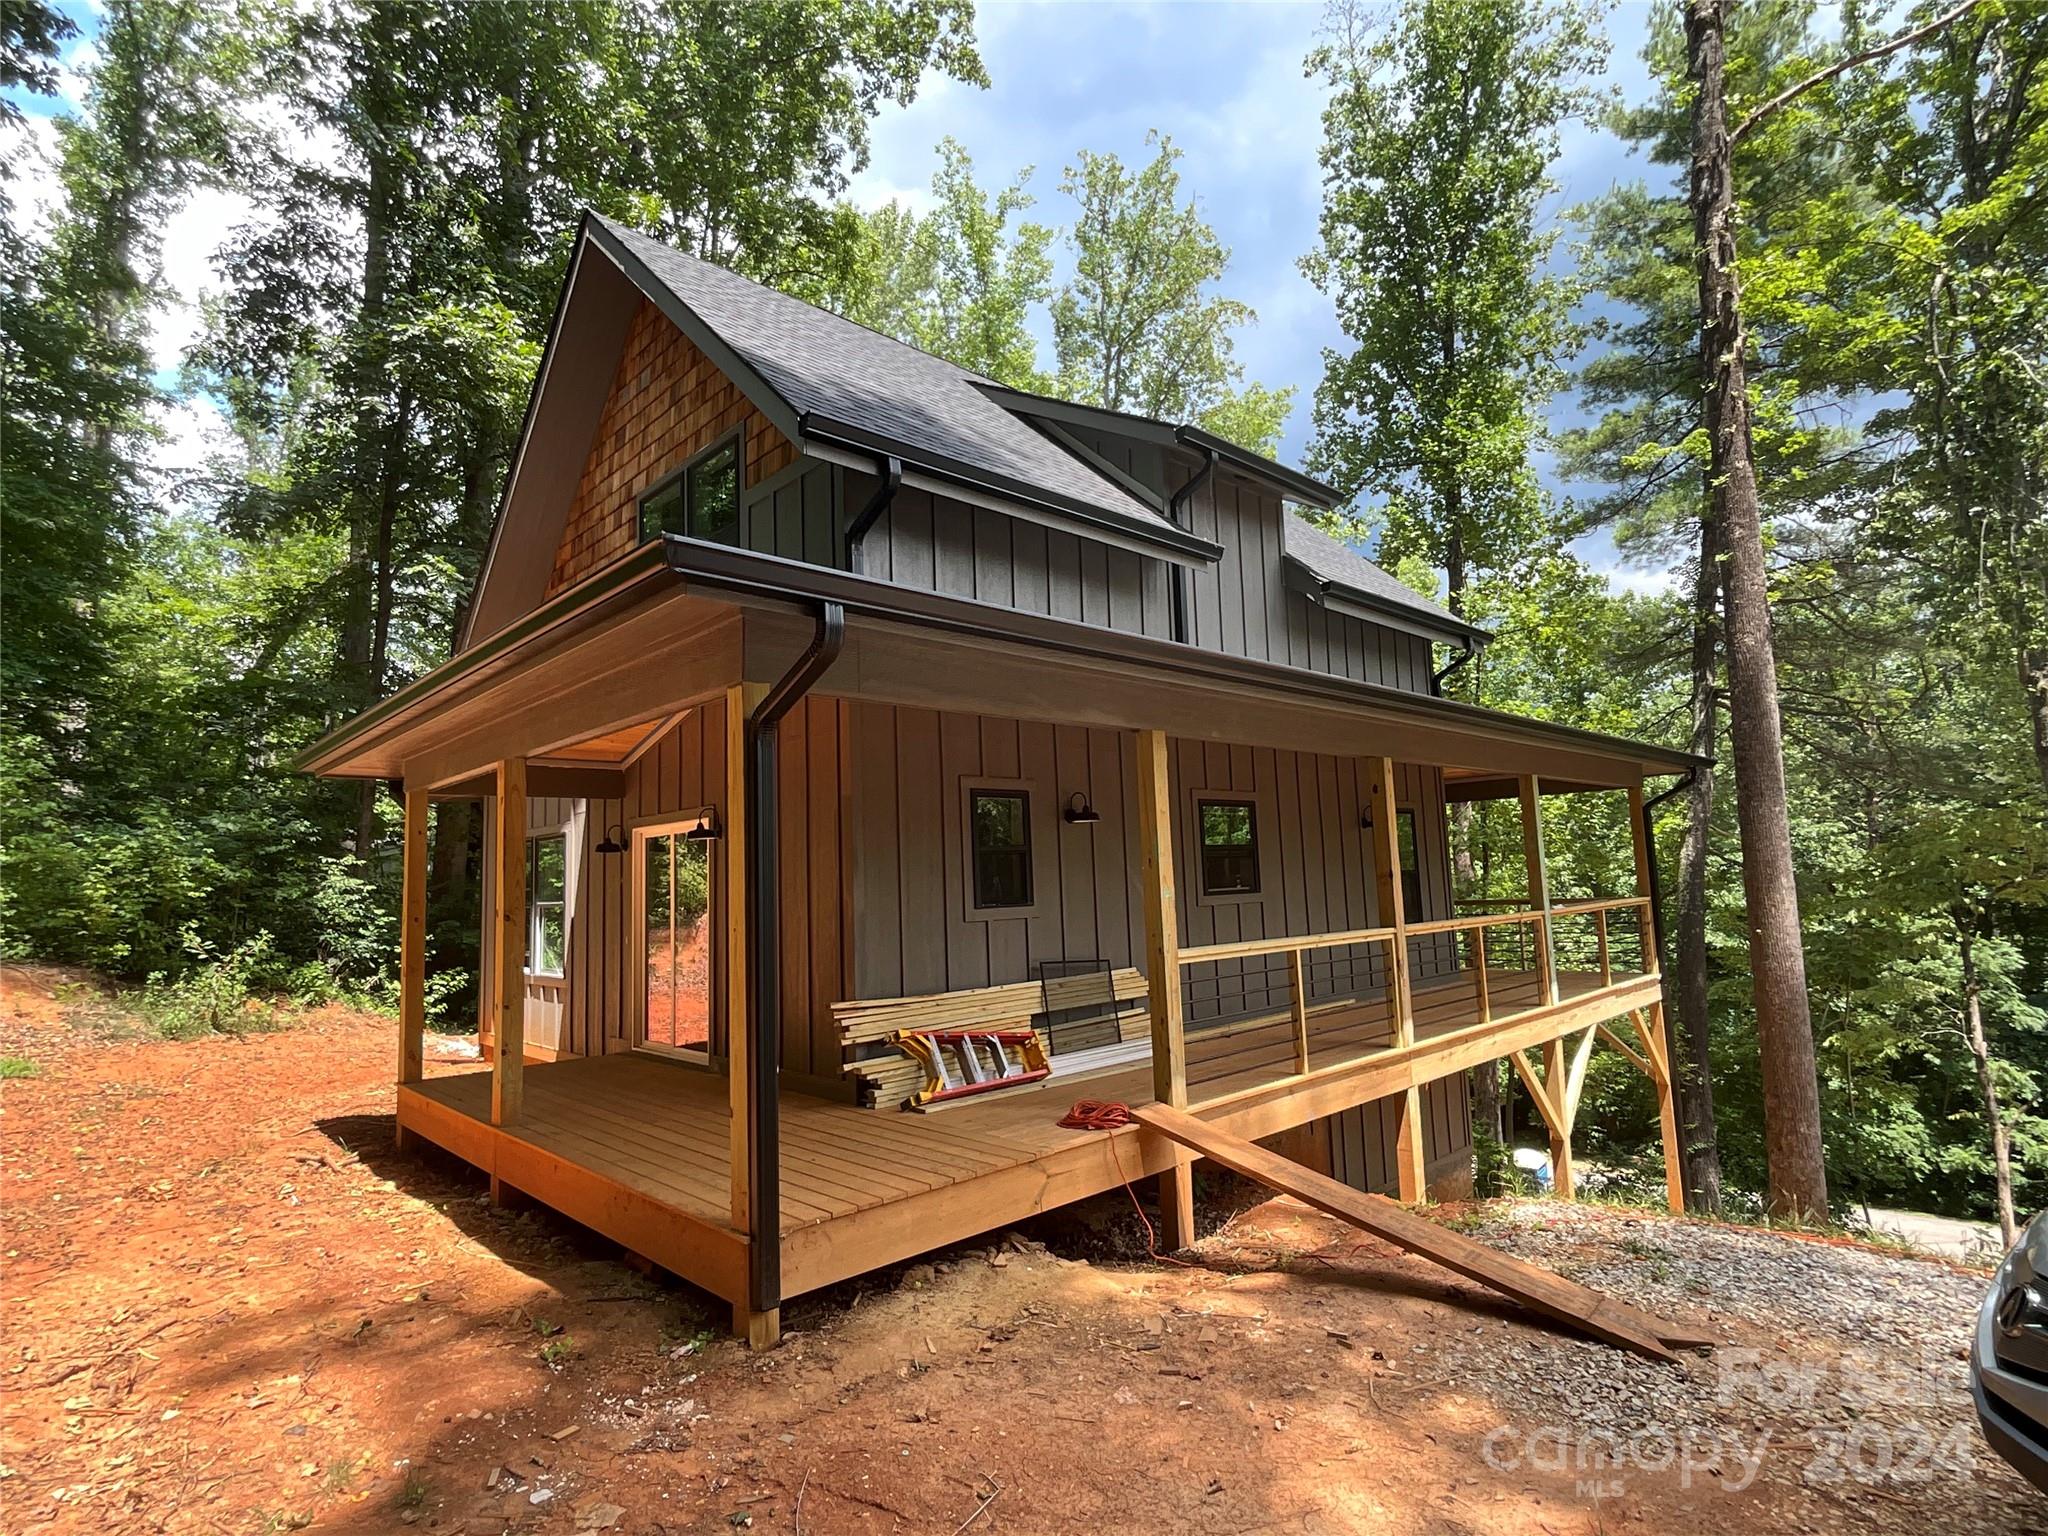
1685	781
1178	574
764	1145
885	493
1436	678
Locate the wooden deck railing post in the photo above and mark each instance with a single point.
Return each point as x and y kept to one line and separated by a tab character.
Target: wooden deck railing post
1479	975
1662	1054
508	925
1606	963
1162	975
1299	976
1539	887
1410	1154
412	946
1563	1178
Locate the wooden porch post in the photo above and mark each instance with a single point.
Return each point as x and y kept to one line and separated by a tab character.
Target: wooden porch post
1539	887
759	1329
1162	974
1658	1053
508	924
1554	1068
1411	1157
412	962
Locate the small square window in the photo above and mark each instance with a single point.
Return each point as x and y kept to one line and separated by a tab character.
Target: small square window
702	501
1230	847
1001	831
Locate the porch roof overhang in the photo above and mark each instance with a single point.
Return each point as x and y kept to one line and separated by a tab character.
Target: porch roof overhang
684	618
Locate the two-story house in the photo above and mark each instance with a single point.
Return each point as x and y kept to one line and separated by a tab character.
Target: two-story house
821	691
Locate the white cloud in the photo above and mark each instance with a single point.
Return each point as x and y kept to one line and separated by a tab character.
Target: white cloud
186	268
1621	578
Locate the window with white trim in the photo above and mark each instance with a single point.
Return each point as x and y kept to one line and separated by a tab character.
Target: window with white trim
547	910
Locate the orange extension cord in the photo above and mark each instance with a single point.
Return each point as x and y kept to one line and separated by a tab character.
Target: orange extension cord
1109	1115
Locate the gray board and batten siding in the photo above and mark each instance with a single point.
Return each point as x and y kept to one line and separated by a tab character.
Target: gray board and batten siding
872	809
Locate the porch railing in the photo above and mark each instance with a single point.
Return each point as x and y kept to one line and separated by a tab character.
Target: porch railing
1471	935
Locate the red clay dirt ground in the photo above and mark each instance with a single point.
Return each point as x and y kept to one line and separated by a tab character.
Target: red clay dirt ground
231	1307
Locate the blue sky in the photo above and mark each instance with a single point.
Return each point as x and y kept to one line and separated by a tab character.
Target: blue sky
1223	80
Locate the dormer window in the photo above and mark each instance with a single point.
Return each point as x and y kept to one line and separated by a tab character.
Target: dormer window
702	499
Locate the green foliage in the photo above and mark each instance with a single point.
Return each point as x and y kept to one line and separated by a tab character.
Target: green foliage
958	282
416	171
214	996
19	1066
1138	328
1897	548
1437	145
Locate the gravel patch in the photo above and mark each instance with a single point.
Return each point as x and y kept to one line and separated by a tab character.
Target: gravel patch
1846	1371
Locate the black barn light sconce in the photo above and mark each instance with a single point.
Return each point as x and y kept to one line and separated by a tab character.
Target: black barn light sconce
704	829
1079	813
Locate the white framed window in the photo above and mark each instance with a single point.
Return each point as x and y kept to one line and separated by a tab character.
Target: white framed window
547	904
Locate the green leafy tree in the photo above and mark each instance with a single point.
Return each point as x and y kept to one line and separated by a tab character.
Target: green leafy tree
961	280
1438	142
1927	287
742	120
1139	326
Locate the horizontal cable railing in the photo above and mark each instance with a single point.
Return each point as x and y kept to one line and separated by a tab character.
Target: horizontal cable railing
1574	935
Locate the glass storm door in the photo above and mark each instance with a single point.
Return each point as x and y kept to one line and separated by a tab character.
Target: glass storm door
672	873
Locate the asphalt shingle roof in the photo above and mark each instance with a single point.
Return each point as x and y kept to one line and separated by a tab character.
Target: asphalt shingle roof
1338	564
825	365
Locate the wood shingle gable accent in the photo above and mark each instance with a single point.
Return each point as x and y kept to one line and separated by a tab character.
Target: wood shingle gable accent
668	402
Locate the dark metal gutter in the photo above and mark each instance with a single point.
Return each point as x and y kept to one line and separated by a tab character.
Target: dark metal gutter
764	1029
1685	781
715	568
1150	429
1441	629
1293	482
1436	678
580	606
1147	529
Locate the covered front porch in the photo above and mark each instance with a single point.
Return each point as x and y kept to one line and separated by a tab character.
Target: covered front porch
823	739
639	1148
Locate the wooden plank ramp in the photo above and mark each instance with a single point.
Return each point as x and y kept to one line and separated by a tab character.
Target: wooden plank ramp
1576	1306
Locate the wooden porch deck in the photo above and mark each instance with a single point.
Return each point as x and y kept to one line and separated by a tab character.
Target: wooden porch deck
637	1147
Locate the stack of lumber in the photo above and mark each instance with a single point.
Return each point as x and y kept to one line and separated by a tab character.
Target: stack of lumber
885	1077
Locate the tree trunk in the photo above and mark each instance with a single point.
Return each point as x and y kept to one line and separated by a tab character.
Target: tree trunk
1791	1095
2033	665
1994	1120
1701	1169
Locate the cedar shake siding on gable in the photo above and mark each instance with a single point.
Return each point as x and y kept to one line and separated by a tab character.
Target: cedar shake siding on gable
667	404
